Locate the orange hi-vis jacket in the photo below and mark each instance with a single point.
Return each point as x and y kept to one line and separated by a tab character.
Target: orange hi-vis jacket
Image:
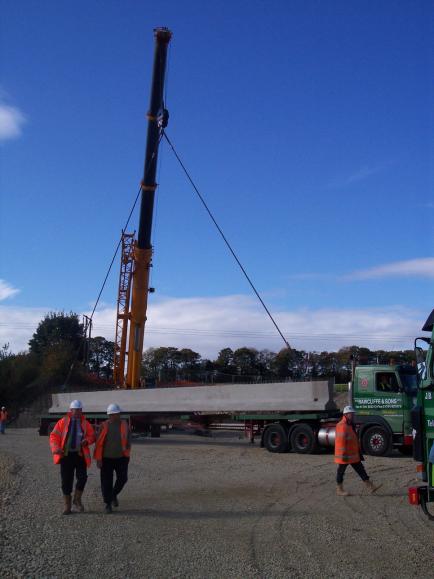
347	448
60	432
3	415
99	446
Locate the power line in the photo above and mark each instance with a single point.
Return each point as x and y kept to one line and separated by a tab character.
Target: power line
262	334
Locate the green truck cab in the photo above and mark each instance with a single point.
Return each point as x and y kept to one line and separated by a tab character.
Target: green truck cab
383	397
423	422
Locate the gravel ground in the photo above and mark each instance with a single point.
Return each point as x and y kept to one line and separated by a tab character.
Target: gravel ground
200	507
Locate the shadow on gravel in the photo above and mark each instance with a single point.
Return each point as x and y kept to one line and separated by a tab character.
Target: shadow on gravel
174	514
189	515
374	496
155	442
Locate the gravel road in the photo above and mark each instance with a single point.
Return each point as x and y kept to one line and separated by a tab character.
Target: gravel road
205	508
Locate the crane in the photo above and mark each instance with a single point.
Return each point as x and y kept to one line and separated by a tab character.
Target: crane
136	254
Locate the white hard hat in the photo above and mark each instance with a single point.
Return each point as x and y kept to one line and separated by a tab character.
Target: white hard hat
349	410
113	409
76	404
3	407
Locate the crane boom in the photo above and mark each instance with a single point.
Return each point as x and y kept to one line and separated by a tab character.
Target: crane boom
157	118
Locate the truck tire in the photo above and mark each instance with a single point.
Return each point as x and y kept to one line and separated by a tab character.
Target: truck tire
303	439
376	441
276	438
424	505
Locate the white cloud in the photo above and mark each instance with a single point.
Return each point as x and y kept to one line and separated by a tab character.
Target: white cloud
421	267
11	122
17	325
6	290
207	325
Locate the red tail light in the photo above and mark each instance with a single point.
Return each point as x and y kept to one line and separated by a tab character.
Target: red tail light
413	496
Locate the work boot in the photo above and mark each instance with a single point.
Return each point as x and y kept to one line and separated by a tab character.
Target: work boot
76	501
371	487
115	502
340	491
68	502
108	509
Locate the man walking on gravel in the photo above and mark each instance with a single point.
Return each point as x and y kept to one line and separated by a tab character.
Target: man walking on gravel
69	442
112	453
347	451
3	418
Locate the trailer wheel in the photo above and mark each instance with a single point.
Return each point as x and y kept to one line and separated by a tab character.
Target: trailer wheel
376	441
303	439
276	438
424	505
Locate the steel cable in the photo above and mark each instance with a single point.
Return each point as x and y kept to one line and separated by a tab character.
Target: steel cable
224	238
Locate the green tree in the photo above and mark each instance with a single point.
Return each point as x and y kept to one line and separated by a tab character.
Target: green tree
161	363
245	361
101	356
58	344
18	379
57	329
282	363
5	352
225	358
264	363
188	364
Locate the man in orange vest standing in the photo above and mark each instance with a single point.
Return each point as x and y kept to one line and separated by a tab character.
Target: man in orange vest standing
3	418
112	453
347	451
69	442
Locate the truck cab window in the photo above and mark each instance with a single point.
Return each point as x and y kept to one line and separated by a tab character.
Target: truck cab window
386	382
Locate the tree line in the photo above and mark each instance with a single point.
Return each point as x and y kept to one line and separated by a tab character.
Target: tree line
164	364
59	357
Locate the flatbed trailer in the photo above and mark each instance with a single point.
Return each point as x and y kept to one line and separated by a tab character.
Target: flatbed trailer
298	416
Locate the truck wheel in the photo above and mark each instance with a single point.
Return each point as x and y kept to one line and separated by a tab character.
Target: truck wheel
376	441
424	506
303	439
276	438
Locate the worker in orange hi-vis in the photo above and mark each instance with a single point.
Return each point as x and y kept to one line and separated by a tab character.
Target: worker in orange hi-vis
69	442
112	453
347	451
3	418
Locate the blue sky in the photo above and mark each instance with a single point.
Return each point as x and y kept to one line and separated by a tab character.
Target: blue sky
307	125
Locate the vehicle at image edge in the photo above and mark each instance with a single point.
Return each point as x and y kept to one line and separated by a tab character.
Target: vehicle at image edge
423	422
382	395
